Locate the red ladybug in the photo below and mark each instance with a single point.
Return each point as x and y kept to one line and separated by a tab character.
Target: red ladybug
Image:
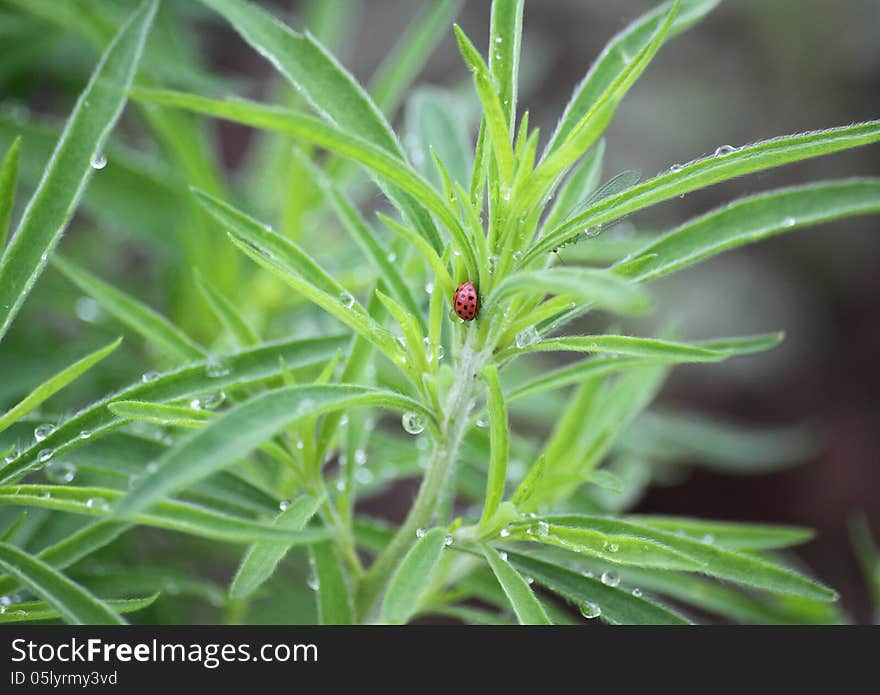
466	301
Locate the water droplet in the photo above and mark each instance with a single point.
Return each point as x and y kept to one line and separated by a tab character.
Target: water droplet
346	299
299	444
447	540
492	264
211	401
724	150
340	485
313	582
504	533
413	423
506	194
429	288
498	39
543	528
420	533
43	431
11	456
360	457
343	421
46	495
590	610
392	257
283	505
5	601
97	503
610	579
482	423
518	255
60	472
364	476
85	434
637	592
87	309
789	222
527	336
152	467
45	455
98	161
708	538
147	377
134	480
503	555
675	168
613	548
215	368
529	580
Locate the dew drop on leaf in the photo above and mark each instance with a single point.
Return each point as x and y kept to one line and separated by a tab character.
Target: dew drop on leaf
45	455
420	533
43	431
610	579
98	161
413	423
60	472
147	377
283	505
724	150
346	299
527	336
590	610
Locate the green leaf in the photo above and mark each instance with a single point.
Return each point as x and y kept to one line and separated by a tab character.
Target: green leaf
366	239
74	603
261	559
227	314
293	265
710	170
335	605
616	56
8	182
505	37
38	610
410	53
868	556
73	548
172	515
67	173
245	368
493	113
412	578
137	316
583	126
615	606
243	428
498	438
325	84
623	345
311	130
159	414
54	384
728	535
524	491
756	218
742	568
527	608
609	545
598	287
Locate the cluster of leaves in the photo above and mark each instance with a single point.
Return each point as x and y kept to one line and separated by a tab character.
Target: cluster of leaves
270	444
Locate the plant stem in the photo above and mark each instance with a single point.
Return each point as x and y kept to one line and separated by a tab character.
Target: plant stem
438	477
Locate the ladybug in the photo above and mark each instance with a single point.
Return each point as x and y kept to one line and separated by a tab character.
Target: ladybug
466	301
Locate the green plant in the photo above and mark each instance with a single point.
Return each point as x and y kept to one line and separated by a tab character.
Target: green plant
301	421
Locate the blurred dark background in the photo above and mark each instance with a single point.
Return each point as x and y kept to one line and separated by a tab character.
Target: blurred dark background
753	69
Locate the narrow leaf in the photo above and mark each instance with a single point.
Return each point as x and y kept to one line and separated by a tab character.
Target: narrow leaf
74	603
54	384
8	182
68	170
335	606
412	578
262	558
528	609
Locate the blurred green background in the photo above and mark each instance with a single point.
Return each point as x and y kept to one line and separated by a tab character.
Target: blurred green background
753	69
